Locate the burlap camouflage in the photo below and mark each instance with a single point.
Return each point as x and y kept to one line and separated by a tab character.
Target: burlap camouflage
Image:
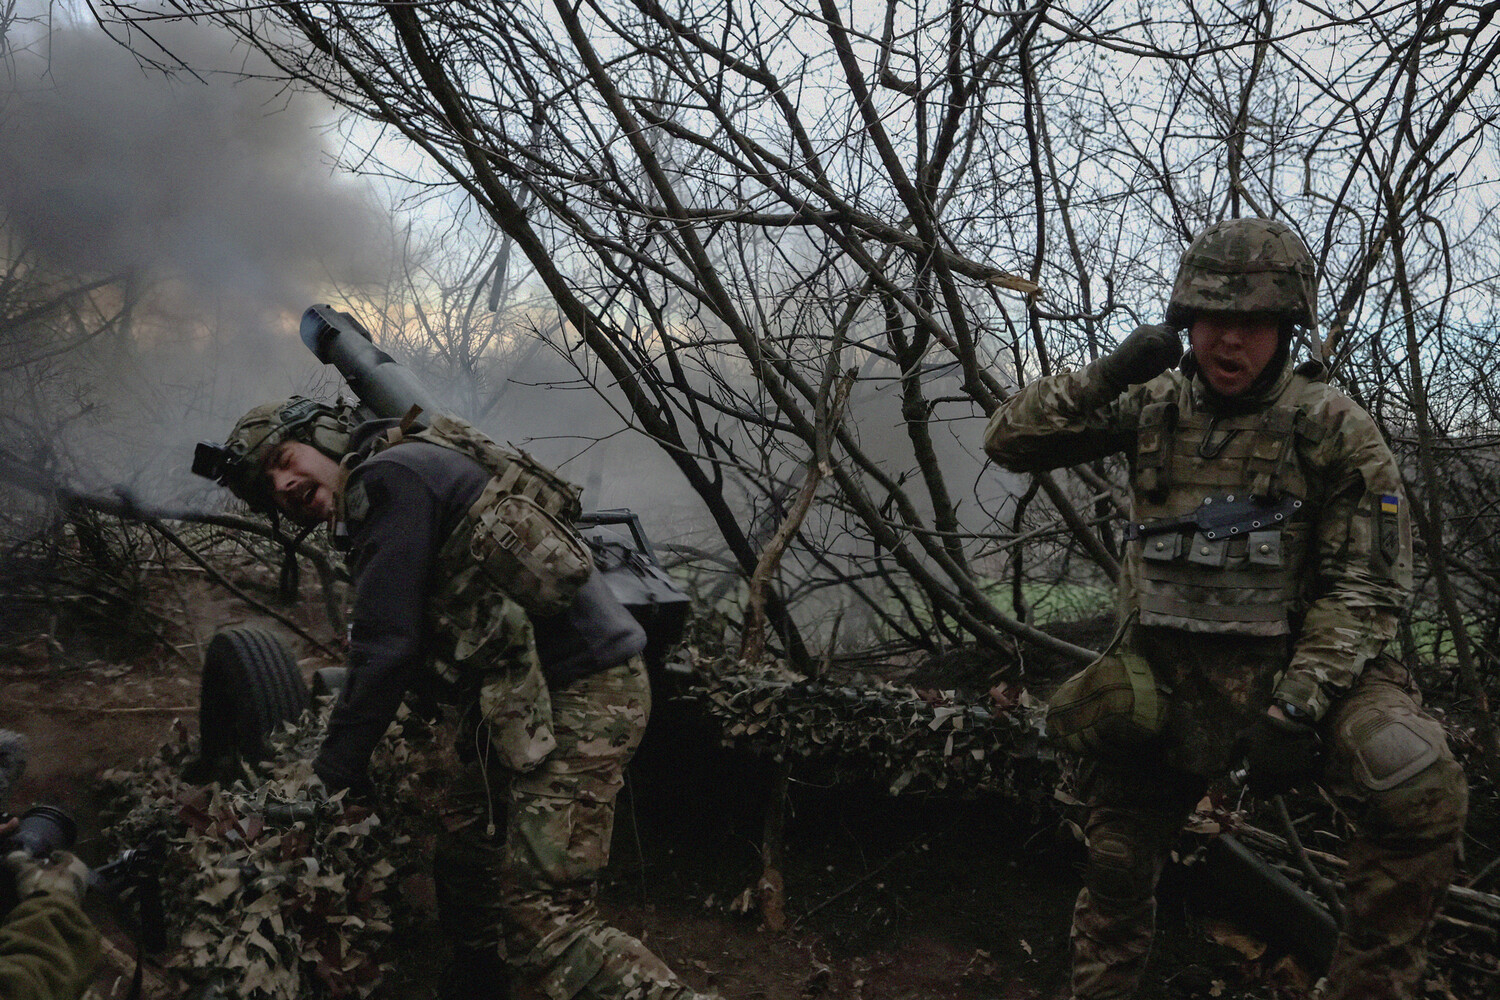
527	885
1298	613
1246	266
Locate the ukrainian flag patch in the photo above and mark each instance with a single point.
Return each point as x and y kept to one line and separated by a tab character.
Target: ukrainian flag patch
1390	503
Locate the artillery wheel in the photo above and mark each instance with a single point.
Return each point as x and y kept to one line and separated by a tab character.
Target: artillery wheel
251	685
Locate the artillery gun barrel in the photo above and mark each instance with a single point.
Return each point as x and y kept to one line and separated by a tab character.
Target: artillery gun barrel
385	386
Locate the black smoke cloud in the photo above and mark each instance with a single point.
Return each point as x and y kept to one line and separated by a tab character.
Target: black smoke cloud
219	184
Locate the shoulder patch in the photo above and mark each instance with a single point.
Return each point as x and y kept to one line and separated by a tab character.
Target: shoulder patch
356	503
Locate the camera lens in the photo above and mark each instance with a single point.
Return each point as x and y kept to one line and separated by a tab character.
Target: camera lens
44	829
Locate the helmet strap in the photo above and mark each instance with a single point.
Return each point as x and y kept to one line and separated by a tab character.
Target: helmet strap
291	574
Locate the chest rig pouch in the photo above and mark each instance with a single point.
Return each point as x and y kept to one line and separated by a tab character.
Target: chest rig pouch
513	552
1220	520
1114	705
519	531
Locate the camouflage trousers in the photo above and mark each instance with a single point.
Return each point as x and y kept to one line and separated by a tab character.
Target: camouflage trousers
1388	766
517	866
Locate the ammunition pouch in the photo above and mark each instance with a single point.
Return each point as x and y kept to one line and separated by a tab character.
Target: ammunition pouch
525	551
1112	704
519	532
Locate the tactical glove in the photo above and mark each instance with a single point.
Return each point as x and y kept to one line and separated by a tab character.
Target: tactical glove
60	872
1142	356
1278	754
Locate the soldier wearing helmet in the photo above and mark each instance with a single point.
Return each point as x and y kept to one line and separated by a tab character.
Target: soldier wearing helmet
1267	561
319	437
552	703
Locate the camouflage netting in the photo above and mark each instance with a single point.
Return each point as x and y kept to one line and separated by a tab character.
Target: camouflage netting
911	741
258	909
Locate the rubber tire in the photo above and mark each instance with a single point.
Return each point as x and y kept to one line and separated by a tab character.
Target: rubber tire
251	685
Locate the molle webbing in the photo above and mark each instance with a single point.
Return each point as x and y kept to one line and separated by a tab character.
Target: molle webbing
515	472
519	532
1195	468
1154	444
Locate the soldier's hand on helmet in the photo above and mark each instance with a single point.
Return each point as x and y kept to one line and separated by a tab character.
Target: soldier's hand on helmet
1142	356
59	872
1277	753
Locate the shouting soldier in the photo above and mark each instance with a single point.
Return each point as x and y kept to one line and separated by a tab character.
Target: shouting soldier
1265	640
553	700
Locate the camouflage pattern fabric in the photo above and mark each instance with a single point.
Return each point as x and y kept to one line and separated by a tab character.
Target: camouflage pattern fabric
1355	523
518	865
484	644
1400	863
1246	265
1350	547
1410	831
519	530
1134	816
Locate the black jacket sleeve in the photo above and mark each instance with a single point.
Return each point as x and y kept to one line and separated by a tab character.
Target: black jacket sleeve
391	555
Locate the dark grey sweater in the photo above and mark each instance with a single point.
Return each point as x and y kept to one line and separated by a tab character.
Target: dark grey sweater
417	494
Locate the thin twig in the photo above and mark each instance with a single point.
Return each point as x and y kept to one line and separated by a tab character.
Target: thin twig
64	707
872	873
235	589
1324	888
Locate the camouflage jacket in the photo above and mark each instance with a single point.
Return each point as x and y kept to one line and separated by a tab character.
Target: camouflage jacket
1333	577
424	609
49	949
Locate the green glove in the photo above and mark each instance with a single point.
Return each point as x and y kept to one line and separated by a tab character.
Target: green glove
61	872
1142	356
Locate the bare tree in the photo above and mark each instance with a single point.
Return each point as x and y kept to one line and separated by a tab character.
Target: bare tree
725	205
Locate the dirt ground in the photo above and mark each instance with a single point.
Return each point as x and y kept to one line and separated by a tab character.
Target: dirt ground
887	898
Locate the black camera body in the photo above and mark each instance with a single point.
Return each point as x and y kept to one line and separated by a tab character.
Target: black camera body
43	829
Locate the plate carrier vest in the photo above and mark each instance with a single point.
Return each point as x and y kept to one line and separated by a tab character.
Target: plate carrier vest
1243	580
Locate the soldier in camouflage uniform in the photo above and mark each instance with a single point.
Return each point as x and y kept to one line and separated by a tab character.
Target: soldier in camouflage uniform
552	708
1268	642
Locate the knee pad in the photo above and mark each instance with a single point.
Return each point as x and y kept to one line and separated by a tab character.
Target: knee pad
1118	871
1387	745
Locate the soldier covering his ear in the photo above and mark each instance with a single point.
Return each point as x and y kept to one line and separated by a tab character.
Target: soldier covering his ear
1267	630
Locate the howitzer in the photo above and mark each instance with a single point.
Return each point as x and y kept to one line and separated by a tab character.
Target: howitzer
384	386
387	389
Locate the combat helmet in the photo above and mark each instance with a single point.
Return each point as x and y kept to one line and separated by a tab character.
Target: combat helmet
239	463
1246	265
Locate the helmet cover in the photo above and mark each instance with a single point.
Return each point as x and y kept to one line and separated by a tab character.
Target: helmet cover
1246	266
260	432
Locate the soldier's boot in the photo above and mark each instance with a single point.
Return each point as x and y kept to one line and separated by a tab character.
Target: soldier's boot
475	974
598	962
1400	866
